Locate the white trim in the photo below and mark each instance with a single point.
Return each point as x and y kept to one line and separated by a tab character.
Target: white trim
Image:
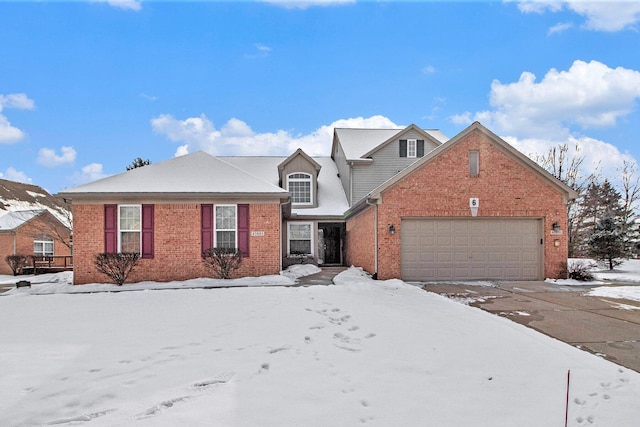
215	225
309	180
311	235
412	144
44	241
120	231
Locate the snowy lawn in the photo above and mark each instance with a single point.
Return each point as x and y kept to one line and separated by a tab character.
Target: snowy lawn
627	272
362	352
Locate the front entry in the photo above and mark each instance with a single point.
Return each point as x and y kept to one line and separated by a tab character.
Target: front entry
330	243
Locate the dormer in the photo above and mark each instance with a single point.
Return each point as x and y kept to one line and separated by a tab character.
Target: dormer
299	176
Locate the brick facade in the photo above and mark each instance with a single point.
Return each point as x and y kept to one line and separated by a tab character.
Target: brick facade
360	240
20	240
441	187
177	243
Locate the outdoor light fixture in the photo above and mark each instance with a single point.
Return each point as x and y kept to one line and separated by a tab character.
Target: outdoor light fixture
392	229
556	226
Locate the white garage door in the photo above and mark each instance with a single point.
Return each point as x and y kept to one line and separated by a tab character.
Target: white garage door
474	248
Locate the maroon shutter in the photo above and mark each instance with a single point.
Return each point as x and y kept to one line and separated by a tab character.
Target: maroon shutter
111	228
147	231
243	229
206	229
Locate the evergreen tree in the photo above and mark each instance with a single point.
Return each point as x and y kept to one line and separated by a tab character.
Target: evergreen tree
607	242
138	163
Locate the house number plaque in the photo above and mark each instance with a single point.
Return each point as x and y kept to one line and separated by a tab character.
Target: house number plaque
257	233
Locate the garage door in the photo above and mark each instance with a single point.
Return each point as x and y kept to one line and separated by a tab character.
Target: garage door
474	248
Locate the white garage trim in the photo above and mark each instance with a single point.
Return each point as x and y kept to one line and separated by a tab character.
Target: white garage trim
471	249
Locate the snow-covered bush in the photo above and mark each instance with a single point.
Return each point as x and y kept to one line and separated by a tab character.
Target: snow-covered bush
116	266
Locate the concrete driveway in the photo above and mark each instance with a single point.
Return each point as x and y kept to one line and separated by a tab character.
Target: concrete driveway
606	327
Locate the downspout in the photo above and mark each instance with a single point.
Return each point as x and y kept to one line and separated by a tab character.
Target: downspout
375	237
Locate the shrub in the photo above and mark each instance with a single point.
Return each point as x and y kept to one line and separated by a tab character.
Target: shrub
17	263
298	259
116	266
578	270
223	261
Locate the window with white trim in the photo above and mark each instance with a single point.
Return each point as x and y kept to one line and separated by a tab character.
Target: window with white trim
130	228
300	238
412	148
299	187
43	246
225	223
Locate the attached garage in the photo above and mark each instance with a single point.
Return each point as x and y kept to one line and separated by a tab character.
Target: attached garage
471	249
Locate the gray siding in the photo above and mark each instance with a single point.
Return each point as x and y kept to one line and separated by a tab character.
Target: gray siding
386	163
297	165
343	169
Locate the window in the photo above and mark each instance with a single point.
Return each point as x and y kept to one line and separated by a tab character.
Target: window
300	238
474	163
225	225
412	148
43	246
299	186
130	228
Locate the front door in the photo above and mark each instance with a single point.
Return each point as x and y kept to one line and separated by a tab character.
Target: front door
330	239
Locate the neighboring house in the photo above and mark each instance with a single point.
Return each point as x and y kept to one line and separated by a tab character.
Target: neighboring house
32	232
394	201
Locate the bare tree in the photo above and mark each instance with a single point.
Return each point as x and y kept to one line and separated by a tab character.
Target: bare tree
568	167
630	196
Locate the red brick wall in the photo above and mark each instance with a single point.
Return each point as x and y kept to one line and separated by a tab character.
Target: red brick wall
442	188
177	244
41	226
360	240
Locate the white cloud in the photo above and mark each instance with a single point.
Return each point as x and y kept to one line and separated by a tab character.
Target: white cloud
236	137
607	16
598	155
261	51
134	5
48	157
429	69
560	27
90	172
305	4
14	175
588	95
18	101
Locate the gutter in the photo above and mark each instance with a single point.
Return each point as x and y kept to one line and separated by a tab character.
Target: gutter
375	237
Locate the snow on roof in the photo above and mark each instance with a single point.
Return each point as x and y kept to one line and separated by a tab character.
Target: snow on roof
10	220
357	142
198	172
331	197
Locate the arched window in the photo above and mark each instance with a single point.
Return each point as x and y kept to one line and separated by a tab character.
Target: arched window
299	186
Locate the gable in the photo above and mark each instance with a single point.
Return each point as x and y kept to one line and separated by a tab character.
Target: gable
502	171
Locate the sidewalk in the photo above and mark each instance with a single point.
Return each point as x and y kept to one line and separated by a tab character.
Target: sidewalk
325	277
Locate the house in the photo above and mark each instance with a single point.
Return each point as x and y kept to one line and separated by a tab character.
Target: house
32	222
33	233
399	202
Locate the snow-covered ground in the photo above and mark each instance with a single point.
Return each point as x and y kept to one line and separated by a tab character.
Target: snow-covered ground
362	352
627	272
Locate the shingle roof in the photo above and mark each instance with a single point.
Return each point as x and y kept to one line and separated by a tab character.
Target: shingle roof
357	142
198	172
14	219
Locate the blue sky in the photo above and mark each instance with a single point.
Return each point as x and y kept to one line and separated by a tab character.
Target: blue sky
86	87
